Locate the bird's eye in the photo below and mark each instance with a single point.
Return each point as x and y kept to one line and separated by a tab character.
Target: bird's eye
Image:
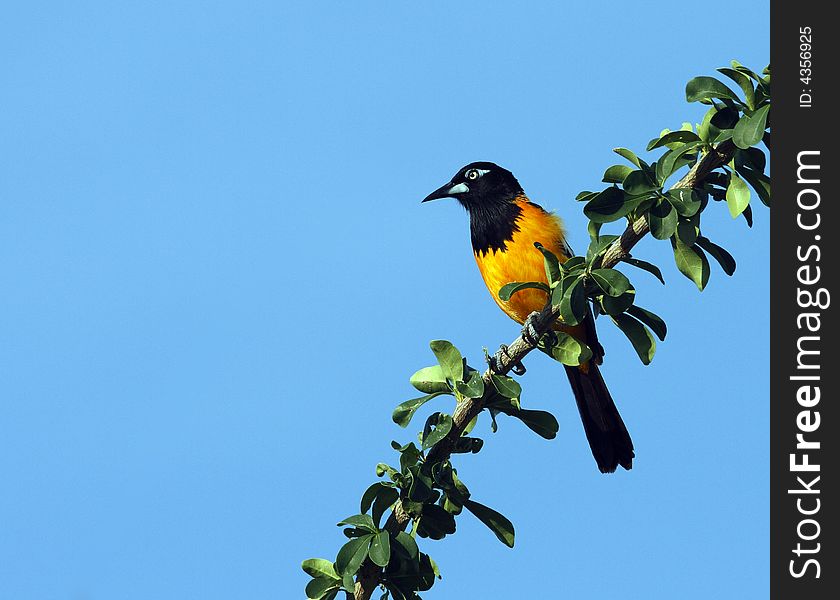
472	174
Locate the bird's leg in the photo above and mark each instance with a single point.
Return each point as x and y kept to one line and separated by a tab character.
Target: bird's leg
497	359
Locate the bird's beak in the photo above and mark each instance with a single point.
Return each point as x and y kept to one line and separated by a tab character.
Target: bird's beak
449	190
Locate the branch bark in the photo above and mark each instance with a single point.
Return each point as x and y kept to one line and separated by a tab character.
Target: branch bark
368	576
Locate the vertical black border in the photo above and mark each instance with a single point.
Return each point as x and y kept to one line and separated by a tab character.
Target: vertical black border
801	125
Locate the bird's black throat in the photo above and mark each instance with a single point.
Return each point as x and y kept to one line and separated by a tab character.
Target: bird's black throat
492	225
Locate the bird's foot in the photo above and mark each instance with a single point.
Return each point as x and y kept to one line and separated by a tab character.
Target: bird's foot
529	331
500	357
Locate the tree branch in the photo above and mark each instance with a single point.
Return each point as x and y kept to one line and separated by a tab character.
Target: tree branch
368	576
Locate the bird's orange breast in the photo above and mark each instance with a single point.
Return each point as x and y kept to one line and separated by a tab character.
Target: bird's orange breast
521	261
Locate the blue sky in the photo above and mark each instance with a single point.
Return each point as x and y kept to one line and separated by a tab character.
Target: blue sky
217	278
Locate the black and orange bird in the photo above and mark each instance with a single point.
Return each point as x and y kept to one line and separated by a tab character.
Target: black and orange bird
504	225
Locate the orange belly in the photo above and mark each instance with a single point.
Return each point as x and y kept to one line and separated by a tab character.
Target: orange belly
521	261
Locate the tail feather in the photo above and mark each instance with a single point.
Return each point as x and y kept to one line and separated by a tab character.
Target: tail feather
608	438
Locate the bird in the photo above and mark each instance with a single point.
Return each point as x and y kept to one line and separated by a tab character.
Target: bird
504	226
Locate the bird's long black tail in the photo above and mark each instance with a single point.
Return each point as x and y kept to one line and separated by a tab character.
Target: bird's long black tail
611	444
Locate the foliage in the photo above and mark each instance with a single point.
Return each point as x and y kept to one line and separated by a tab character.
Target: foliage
425	490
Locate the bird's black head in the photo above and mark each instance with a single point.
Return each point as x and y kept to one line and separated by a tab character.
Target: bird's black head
488	192
480	185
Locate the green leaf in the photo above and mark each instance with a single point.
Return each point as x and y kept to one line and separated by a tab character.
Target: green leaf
384	500
585	196
405	412
509	289
747	214
573	263
352	555
552	265
493	425
637	183
609	205
724	259
691	262
382	469
737	196
717	118
360	521
744	82
319	567
672	137
370	495
434	566
612	282
435	522
448	480
506	386
468	445
497	523
427	575
568	350
473	387
705	129
407	543
319	587
420	489
759	181
539	421
639	336
629	155
352	532
449	358
750	128
662	220
655	322
668	163
380	549
409	455
687	230
470	426
685	201
747	71
616	173
725	134
705	88
614	305
572	300
594	230
752	158
646	266
430	380
725	117
437	426
599	246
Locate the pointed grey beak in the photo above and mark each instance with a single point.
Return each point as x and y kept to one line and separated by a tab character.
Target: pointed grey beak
450	190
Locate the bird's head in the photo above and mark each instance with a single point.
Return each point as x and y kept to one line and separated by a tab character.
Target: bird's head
479	185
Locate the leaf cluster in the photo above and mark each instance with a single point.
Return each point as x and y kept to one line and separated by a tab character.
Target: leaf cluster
430	492
639	191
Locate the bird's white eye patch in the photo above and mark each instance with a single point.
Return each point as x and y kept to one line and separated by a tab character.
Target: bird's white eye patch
474	174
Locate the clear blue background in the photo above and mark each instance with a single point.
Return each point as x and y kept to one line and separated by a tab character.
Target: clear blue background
217	278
